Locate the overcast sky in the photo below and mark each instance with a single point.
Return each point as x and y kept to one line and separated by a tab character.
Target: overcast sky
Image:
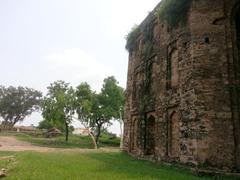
72	40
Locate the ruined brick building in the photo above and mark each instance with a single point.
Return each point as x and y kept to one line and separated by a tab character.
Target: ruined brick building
183	87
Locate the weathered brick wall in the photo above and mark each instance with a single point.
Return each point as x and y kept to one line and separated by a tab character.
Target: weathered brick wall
182	91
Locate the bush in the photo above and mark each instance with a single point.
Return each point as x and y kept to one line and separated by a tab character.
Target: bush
44	124
110	139
131	38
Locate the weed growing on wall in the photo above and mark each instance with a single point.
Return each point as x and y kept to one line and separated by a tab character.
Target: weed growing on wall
173	11
131	38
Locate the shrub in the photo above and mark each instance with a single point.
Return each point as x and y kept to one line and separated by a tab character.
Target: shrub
173	11
131	38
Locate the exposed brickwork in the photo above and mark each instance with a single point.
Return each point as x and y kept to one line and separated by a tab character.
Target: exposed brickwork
183	100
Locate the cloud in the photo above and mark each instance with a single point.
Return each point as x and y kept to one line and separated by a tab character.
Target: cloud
76	66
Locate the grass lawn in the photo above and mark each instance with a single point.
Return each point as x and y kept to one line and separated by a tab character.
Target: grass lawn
90	166
85	165
74	141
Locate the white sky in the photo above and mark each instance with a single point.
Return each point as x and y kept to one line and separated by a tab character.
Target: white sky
72	40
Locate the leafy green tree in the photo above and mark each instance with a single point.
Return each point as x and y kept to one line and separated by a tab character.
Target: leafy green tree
44	124
16	103
113	99
84	107
58	105
96	110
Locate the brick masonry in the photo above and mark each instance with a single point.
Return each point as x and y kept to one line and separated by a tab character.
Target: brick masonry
183	100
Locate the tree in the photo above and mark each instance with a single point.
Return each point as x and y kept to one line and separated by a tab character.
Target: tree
84	107
58	105
16	103
44	124
96	110
112	96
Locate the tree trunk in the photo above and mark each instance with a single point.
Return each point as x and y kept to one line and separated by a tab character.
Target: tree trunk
7	125
90	133
121	128
121	133
66	126
15	121
93	139
98	133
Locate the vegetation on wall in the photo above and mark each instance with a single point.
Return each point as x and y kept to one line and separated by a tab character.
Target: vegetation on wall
131	38
147	50
148	37
173	11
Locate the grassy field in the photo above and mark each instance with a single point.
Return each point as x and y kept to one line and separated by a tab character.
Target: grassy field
99	166
75	141
84	165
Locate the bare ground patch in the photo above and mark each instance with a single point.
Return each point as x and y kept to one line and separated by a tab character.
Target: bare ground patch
10	143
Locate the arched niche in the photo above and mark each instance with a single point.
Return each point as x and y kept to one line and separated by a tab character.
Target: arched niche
172	69
174	133
134	134
150	135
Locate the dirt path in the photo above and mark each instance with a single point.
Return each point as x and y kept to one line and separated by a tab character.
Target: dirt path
10	143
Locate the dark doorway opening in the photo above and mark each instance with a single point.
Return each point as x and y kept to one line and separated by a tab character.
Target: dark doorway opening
150	136
235	89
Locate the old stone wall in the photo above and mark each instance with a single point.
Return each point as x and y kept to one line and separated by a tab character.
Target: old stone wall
182	94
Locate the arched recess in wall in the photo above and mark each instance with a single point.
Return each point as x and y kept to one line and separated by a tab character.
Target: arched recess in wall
150	135
135	134
172	69
148	80
235	90
174	139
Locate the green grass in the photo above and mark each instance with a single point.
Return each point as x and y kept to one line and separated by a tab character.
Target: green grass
7	161
41	166
74	141
85	165
59	142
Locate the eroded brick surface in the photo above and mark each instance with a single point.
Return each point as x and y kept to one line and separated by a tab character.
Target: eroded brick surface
183	99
